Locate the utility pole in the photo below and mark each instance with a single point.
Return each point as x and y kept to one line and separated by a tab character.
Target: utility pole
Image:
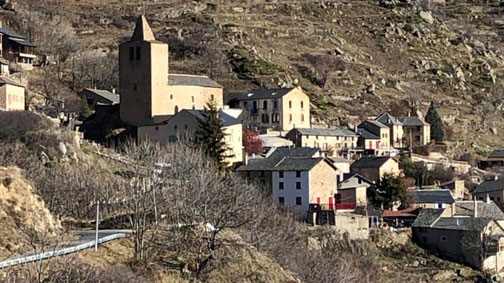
97	224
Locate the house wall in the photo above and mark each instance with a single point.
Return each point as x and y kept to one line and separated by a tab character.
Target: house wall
397	135
390	167
323	183
354	224
3	98
263	179
356	195
289	193
325	143
192	97
496	196
419	134
233	140
449	246
15	97
296	96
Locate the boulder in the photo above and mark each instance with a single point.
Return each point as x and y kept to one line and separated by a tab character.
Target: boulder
493	130
427	17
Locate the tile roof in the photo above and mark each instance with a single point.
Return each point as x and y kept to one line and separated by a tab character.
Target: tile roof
497	153
490	186
365	134
264	93
227	120
112	97
371	161
388	119
192	80
412	121
326	132
431	196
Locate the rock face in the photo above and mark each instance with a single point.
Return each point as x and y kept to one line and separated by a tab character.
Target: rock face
427	17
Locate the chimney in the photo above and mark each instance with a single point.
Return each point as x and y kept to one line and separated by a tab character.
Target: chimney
453	210
113	90
409	113
245	158
487	199
475	208
1	24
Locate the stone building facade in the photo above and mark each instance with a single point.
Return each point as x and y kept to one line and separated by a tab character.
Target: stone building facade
12	95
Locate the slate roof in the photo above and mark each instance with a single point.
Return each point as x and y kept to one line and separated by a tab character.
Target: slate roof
365	134
347	177
373	122
412	121
286	159
326	132
112	97
497	153
192	80
370	162
426	217
490	186
227	120
462	223
264	93
6	80
485	210
371	210
388	119
23	40
431	196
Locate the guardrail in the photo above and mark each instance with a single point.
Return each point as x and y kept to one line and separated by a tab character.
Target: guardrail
58	252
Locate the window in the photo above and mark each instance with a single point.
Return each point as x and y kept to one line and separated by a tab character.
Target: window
244	104
262	173
192	99
290	117
281	200
171	96
290	104
360	180
302	117
281	185
132	53
491	198
138	53
299	201
280	174
185	127
444	238
254	105
298	174
302	104
135	86
275	104
417	138
212	97
298	185
176	109
498	199
418	128
265	105
248	174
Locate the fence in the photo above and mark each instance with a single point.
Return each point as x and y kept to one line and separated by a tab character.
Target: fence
58	252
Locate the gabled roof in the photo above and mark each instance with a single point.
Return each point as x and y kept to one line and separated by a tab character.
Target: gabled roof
407	212
347	177
192	80
20	39
373	122
6	80
388	119
112	97
413	121
371	162
427	217
497	153
462	223
431	196
143	31
264	93
298	163
368	210
227	120
326	132
286	159
485	210
365	134
490	186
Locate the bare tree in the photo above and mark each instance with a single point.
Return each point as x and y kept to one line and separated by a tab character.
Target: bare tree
324	65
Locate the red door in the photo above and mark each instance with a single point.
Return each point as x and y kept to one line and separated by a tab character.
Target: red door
331	205
318	200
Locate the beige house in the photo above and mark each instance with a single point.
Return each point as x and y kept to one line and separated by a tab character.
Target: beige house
396	129
277	109
430	198
416	130
381	131
12	95
148	92
185	124
331	141
353	190
375	167
469	232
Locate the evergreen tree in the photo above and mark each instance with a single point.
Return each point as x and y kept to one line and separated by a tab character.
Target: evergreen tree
210	136
437	127
387	192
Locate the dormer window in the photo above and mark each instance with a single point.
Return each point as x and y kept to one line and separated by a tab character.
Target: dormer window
138	53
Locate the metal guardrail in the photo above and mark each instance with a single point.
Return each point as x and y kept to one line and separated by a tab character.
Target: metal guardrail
58	252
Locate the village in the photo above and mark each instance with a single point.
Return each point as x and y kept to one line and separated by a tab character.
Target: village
387	172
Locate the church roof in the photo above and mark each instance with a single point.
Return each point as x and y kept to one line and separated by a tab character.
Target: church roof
192	80
143	31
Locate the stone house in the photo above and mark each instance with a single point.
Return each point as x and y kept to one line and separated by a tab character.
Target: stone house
332	141
100	97
353	225
148	92
381	131
353	190
430	198
277	109
185	123
297	177
12	95
15	49
457	188
469	232
493	189
375	167
396	129
416	130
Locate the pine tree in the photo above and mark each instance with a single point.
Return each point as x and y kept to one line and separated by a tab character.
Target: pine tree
387	192
437	127
210	136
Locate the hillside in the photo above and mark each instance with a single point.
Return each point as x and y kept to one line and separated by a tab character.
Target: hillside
397	55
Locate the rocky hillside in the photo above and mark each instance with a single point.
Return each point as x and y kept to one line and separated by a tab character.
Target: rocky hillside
354	58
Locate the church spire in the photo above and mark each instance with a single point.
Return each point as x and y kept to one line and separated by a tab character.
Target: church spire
142	32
